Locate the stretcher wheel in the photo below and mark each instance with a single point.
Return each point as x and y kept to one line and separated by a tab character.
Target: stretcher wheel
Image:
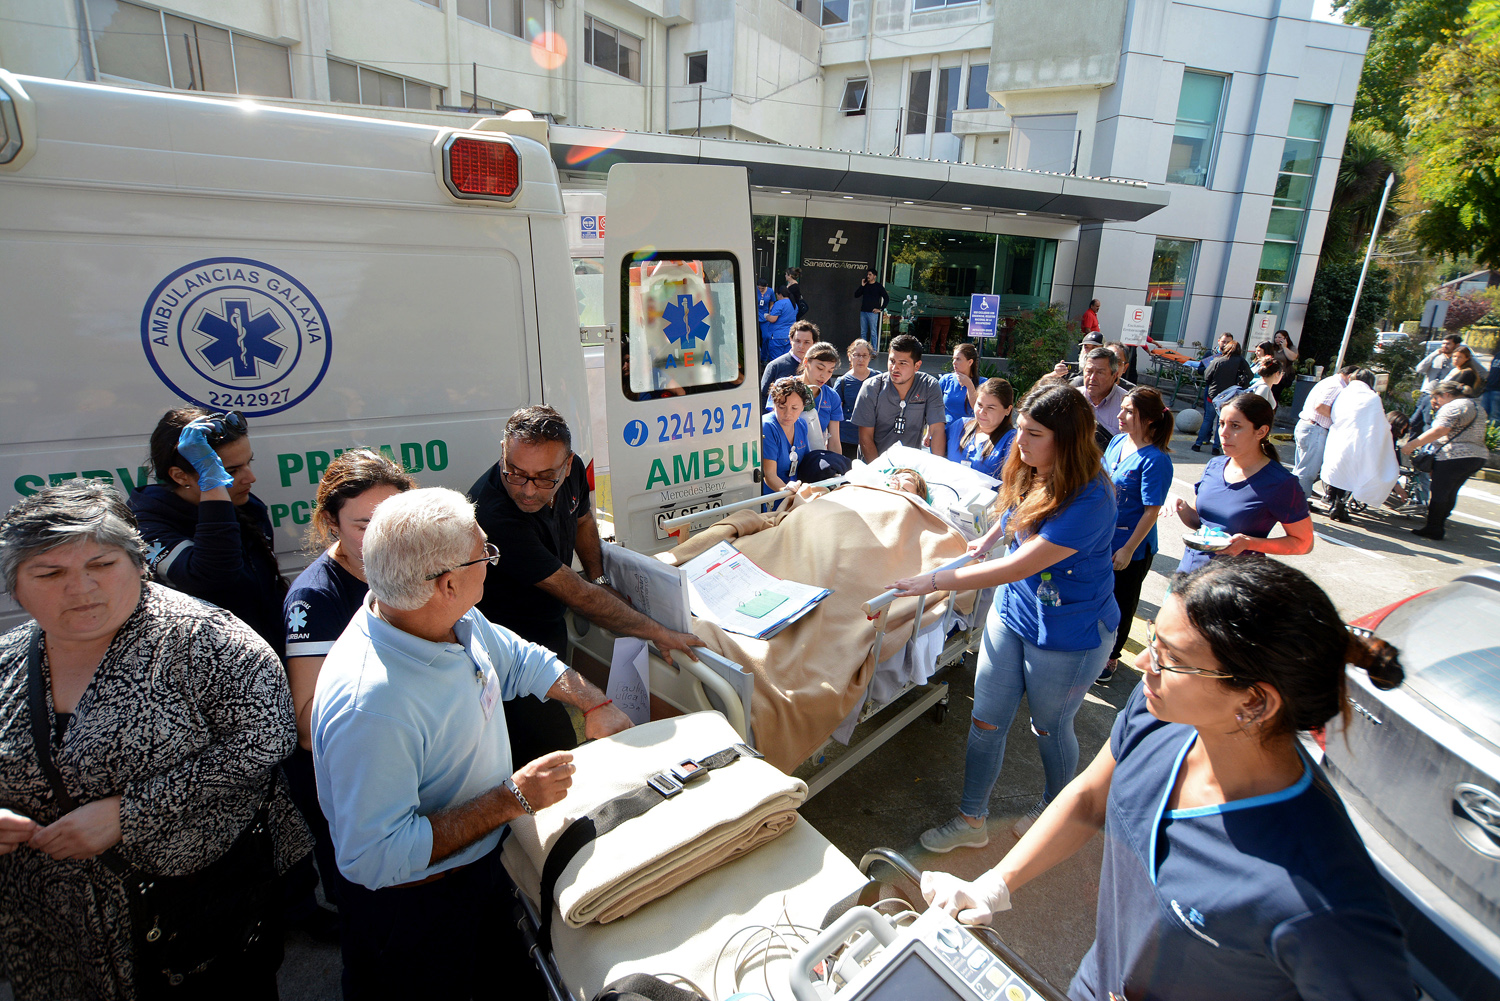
940	712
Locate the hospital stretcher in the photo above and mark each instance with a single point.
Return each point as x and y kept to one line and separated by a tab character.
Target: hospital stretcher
794	920
719	684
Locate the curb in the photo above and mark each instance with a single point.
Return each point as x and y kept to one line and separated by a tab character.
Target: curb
1488	475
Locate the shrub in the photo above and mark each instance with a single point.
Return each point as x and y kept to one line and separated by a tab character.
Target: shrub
1040	340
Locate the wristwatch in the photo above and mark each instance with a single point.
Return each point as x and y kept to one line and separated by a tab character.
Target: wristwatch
511	785
602	580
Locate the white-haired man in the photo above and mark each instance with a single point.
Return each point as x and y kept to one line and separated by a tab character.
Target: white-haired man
413	757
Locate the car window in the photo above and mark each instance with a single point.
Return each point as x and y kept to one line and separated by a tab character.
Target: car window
1450	648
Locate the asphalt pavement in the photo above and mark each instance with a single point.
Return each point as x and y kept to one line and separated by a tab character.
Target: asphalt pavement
913	782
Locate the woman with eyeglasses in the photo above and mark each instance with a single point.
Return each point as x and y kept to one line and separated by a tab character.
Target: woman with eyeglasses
206	533
320	603
1231	869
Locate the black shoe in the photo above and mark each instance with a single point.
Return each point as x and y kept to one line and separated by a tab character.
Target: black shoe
1218	451
1427	533
1107	674
1339	513
321	925
1197	447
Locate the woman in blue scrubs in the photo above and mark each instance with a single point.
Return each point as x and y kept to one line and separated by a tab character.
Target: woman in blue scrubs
1045	639
984	441
1231	869
960	388
783	434
1141	470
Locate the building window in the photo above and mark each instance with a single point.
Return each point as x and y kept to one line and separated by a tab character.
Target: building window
353	84
697	67
855	92
978	98
484	104
1197	129
1044	142
522	18
835	12
1171	277
1290	199
935	4
611	49
916	102
947	98
150	46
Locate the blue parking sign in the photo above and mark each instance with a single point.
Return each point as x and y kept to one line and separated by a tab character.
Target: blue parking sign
984	315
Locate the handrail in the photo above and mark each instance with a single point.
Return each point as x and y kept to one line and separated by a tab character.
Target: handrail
714	512
875	604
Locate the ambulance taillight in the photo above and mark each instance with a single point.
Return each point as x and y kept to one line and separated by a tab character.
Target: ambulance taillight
486	169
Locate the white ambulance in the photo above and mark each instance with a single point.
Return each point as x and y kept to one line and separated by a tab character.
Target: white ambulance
350	282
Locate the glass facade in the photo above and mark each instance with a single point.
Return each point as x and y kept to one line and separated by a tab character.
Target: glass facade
151	46
1167	293
1290	198
1197	129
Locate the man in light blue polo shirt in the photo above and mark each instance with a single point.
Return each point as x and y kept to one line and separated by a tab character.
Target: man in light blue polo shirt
413	757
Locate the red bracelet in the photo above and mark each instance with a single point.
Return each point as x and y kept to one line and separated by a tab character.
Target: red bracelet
599	706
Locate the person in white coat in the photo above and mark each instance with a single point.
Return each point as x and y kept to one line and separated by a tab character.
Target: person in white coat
1358	460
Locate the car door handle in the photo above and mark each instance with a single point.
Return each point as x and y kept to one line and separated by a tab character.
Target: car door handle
1480	807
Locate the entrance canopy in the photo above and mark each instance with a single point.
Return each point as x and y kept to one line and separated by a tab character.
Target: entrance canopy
1086	199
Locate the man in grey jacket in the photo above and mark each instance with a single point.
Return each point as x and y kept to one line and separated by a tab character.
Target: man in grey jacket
1433	369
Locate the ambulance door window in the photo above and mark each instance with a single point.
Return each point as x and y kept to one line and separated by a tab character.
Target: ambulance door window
588	282
681	325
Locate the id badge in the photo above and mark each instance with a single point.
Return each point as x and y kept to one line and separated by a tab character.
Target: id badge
490	696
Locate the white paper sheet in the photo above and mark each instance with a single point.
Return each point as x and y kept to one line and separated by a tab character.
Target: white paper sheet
630	679
723	581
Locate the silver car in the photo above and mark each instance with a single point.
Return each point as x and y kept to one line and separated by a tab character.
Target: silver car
1419	770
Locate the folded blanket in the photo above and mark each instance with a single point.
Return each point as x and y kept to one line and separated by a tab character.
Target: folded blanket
717	817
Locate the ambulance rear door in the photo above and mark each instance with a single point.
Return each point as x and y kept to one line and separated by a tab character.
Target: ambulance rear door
681	380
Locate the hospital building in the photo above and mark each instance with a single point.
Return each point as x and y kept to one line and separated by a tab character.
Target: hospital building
1176	155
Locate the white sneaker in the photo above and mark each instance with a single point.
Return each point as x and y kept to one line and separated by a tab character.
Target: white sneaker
1029	818
956	833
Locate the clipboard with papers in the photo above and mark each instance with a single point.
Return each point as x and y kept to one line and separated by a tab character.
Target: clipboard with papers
727	588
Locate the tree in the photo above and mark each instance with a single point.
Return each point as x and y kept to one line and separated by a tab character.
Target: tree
1464	310
1370	155
1454	114
1328	311
1401	32
1040	340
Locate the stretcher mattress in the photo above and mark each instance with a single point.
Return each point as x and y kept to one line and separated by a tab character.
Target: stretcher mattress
705	924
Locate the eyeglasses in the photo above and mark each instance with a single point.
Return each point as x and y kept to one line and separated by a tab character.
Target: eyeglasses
491	556
230	424
1157	667
521	479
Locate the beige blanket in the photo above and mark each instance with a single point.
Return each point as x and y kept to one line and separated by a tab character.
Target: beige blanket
717	817
855	541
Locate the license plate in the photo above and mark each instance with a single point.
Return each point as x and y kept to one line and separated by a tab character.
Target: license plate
665	533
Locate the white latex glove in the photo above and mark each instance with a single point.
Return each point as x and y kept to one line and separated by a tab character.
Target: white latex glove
974	903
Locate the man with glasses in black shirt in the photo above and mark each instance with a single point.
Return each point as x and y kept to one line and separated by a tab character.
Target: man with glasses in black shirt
535	505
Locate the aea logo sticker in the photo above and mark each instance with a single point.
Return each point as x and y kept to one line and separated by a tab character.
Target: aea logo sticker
232	333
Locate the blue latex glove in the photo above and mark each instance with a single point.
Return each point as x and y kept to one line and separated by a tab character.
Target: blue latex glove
194	446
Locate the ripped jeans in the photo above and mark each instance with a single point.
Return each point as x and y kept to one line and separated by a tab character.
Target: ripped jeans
1054	683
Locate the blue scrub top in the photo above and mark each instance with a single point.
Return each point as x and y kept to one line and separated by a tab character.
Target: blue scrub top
1085	581
847	386
955	398
1141	480
1270	897
774	446
979	454
778	330
1253	507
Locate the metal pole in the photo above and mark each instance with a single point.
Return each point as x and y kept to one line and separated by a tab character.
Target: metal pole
1369	252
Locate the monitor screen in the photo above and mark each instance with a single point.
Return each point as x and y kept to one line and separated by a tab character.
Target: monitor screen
912	978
